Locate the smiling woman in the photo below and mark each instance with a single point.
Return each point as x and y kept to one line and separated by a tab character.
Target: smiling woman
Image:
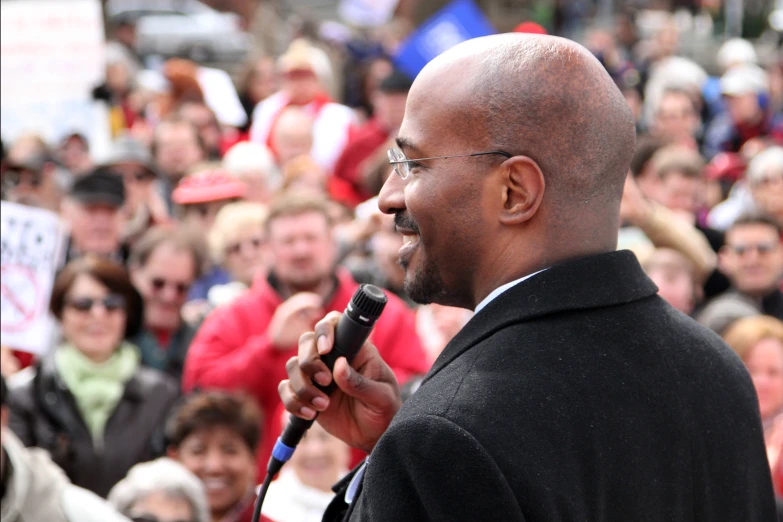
215	435
91	404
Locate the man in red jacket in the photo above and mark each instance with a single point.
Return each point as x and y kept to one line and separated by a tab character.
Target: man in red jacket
245	345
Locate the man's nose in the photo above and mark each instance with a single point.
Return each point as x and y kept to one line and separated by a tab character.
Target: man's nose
392	196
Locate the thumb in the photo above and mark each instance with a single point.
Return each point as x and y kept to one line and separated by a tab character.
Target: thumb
356	385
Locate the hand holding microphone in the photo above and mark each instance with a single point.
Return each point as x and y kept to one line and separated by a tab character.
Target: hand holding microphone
365	397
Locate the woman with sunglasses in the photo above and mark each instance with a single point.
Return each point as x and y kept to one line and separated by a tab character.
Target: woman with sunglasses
89	402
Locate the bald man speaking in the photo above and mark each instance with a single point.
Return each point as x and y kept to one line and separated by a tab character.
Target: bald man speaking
574	393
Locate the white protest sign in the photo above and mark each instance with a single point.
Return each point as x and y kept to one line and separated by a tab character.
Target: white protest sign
52	55
367	13
31	245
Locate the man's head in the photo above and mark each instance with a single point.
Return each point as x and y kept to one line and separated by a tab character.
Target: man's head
74	154
561	137
203	119
176	147
675	277
680	185
676	117
299	72
131	160
164	262
389	101
292	135
92	211
765	177
254	164
752	257
299	231
30	176
741	87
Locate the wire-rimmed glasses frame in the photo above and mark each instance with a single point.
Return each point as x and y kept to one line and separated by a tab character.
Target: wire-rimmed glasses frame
402	164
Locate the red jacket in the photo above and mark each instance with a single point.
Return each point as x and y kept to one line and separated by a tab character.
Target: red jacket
232	350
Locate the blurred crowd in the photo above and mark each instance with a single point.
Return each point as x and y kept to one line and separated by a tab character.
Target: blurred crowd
227	219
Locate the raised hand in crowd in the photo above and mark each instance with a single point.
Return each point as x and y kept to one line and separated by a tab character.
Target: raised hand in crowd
293	318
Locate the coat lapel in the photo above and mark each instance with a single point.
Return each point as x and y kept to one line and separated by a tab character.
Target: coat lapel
603	280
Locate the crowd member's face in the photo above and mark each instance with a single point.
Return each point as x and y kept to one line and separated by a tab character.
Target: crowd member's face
765	363
177	149
390	109
264	80
303	250
137	180
35	188
301	85
681	193
164	282
246	255
161	507
438	207
221	459
93	318
768	192
118	78
75	155
675	286
676	119
293	138
753	258
320	459
201	216
744	108
204	120
95	227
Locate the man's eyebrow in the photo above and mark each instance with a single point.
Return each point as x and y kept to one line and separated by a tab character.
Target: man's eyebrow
405	143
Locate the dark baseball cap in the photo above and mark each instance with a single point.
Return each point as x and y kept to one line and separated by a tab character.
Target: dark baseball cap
396	82
99	186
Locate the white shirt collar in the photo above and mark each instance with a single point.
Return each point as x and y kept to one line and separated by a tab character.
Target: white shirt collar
497	291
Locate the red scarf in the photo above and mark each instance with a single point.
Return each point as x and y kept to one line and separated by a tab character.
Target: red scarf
313	108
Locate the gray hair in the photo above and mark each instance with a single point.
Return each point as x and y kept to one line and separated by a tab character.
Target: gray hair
767	160
163	475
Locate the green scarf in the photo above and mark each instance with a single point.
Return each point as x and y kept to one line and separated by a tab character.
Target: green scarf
97	388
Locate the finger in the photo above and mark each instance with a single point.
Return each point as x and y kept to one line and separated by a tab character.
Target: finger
291	403
303	387
324	332
305	300
378	395
310	362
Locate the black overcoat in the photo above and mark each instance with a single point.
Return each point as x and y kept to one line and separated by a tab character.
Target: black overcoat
576	395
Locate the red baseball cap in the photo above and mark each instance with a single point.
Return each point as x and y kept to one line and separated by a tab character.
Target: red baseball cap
206	186
530	27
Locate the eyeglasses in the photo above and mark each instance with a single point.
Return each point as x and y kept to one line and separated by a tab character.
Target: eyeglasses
14	177
236	248
110	303
158	284
762	248
403	165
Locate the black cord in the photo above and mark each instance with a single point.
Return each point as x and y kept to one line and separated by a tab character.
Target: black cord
272	469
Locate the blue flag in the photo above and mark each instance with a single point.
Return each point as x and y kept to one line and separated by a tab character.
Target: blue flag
459	21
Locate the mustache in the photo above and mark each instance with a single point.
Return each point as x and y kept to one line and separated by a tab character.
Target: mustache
406	222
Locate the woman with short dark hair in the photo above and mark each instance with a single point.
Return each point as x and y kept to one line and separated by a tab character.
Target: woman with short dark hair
90	403
215	435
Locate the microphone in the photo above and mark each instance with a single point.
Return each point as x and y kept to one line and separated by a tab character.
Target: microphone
351	332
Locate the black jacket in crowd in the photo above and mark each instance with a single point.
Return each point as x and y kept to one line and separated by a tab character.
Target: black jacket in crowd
43	413
577	395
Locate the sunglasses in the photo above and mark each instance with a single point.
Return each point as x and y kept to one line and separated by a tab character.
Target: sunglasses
762	248
158	284
236	248
13	177
110	303
153	518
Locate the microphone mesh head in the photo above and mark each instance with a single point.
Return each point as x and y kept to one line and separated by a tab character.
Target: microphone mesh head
369	301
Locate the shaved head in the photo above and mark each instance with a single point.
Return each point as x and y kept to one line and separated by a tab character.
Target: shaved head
520	146
547	98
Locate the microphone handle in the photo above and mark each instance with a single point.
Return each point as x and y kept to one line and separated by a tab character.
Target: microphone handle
349	337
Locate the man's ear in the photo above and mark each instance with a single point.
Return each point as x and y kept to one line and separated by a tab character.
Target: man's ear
725	260
172	453
522	190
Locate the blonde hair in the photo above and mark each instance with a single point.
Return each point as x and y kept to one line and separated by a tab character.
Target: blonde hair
232	220
746	333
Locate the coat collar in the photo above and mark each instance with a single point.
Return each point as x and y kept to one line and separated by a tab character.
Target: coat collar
602	280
